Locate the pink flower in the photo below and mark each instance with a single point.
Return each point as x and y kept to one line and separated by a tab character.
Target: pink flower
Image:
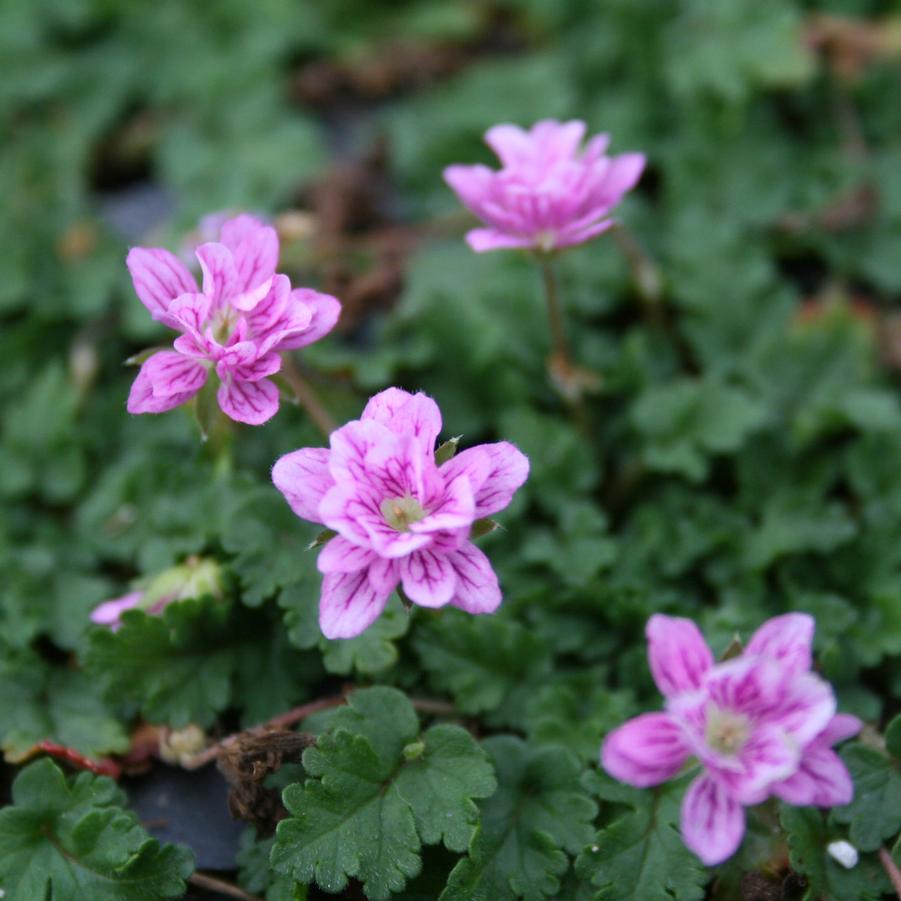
760	725
236	325
399	517
194	578
548	194
108	613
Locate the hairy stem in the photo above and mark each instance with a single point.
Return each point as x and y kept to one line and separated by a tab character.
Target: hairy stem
214	884
306	396
554	311
891	868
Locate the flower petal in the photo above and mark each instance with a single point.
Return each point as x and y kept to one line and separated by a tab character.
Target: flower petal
342	556
428	578
768	757
349	604
324	311
158	277
165	381
572	237
806	707
406	414
171	373
455	511
350	446
713	823
254	247
108	613
303	478
220	277
509	470
787	639
251	371
472	184
484	239
645	751
840	727
474	462
621	176
250	402
190	313
754	686
678	655
477	589
822	780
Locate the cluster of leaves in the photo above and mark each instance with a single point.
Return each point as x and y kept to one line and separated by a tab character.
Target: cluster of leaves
739	462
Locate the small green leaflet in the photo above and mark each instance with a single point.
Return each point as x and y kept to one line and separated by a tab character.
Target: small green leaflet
479	662
539	812
255	874
808	837
379	791
187	664
641	854
687	421
875	813
40	702
71	840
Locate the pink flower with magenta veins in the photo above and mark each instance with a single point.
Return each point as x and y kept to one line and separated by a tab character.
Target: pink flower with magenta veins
235	326
548	194
400	518
761	725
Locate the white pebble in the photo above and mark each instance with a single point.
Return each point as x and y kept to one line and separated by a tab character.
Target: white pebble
844	852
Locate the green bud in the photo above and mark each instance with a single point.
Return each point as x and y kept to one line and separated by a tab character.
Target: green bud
414	750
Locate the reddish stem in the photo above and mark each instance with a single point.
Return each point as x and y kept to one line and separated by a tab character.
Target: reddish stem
296	714
894	874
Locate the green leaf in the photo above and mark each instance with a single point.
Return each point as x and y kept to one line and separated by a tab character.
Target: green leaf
40	702
379	790
175	665
687	421
641	854
270	544
893	737
255	874
808	838
69	840
578	549
479	661
875	813
374	650
539	812
188	663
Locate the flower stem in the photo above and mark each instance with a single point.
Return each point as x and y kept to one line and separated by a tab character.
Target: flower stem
215	884
555	311
306	396
891	868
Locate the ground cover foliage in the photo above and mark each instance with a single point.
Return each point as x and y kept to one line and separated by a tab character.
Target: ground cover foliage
740	460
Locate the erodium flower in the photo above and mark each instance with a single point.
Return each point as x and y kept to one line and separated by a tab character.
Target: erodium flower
548	194
194	578
760	725
400	518
234	327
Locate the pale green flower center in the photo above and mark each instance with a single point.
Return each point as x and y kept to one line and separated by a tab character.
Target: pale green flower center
727	732
224	324
399	512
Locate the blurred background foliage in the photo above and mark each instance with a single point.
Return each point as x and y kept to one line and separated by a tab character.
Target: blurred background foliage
740	461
